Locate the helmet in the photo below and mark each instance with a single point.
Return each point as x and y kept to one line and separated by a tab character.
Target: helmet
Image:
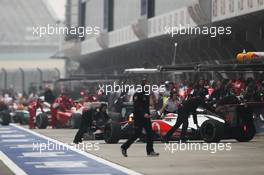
41	99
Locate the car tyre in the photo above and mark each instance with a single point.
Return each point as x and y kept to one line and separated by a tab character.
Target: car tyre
212	131
5	118
246	132
112	132
42	121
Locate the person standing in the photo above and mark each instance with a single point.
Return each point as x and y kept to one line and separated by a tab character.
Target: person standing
141	120
171	105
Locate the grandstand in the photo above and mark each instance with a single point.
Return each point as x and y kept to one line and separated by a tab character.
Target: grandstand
24	56
17	18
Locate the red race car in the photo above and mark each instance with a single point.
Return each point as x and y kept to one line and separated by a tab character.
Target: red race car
63	113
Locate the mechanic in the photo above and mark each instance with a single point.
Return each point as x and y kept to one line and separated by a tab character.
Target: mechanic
168	87
218	94
141	120
87	97
187	108
101	117
86	123
199	88
172	104
49	96
62	103
32	108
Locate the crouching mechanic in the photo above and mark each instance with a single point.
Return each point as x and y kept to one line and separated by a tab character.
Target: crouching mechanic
86	122
187	108
32	109
141	120
89	119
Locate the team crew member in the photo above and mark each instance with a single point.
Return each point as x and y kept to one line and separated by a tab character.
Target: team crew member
101	117
33	110
200	89
48	95
141	120
86	122
62	103
171	105
188	107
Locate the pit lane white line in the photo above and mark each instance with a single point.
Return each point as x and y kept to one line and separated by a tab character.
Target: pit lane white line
4	129
98	159
81	174
15	140
6	132
11	165
13	136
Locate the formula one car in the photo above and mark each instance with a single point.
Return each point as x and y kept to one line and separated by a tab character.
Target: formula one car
19	114
235	122
65	119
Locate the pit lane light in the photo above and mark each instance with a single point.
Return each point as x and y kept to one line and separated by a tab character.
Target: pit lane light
249	56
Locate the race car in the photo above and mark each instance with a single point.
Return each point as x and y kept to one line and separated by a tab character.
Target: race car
19	114
64	119
236	122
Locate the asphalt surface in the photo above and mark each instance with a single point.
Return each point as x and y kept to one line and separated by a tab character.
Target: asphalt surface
4	169
26	152
230	157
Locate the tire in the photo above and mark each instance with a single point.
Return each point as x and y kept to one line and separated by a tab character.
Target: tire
5	118
24	119
112	132
42	121
75	121
212	131
246	132
16	118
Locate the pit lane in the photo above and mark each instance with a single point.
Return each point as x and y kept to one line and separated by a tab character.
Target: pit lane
26	152
243	158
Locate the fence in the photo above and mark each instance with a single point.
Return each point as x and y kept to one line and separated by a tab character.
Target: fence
22	80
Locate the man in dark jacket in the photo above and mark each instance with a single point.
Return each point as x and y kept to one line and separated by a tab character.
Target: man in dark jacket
187	108
86	122
199	89
49	96
101	117
141	120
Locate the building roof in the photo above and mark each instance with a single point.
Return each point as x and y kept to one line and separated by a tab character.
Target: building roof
17	19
